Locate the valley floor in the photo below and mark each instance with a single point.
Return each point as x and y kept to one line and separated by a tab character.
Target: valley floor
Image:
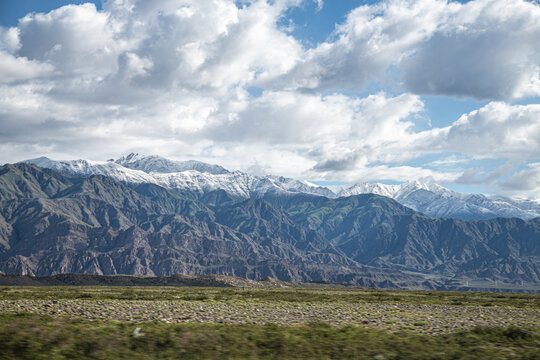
190	322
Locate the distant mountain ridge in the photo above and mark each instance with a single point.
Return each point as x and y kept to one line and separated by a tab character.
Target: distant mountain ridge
200	178
437	201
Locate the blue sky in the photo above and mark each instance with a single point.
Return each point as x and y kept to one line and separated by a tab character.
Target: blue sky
12	10
328	91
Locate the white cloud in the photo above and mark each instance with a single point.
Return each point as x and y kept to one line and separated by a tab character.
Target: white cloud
74	38
9	39
487	49
335	130
372	38
138	46
400	173
494	131
288	118
20	68
449	161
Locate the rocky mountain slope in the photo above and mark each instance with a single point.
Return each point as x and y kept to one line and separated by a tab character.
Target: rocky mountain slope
377	231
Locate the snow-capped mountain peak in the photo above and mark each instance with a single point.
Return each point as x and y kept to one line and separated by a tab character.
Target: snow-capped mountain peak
194	176
299	186
437	201
369	188
406	189
89	168
158	164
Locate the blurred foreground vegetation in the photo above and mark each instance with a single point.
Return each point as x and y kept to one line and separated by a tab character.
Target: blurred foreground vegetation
29	336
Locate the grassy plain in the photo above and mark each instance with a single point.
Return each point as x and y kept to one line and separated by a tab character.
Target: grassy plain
189	322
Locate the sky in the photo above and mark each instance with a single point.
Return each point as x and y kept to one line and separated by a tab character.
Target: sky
332	92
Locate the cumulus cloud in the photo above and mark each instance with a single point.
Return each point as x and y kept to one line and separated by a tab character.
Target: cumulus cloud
487	49
73	38
209	46
497	130
288	118
332	129
9	39
372	38
20	68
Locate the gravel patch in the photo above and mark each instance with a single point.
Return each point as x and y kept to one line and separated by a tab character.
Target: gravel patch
425	319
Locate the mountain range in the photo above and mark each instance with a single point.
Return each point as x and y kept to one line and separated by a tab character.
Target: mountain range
152	216
194	177
51	223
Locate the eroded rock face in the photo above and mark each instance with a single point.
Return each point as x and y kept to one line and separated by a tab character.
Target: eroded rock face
52	223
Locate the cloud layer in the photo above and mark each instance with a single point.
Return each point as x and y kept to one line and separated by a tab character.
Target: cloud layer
223	81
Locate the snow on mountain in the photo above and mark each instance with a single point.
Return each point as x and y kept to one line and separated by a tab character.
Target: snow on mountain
236	183
370	188
437	201
203	179
154	163
298	186
406	189
505	207
89	168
